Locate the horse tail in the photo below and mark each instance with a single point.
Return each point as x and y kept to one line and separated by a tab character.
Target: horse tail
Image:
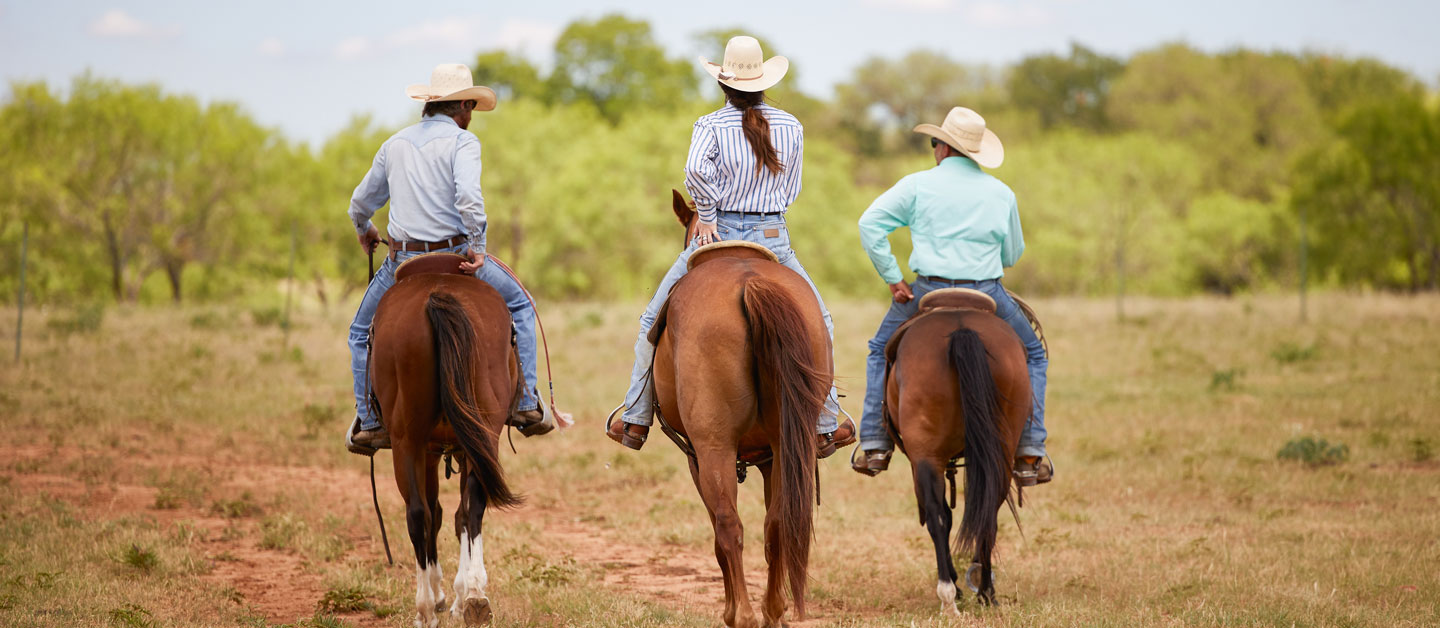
986	479
455	366
783	355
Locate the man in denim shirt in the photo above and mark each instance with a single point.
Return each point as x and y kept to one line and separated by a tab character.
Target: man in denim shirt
429	172
965	228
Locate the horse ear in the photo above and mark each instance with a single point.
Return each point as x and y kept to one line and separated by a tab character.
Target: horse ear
682	208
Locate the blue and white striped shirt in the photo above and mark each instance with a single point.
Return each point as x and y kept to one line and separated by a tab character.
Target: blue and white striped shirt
720	170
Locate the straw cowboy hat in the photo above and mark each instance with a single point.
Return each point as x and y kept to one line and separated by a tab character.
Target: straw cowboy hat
965	131
452	81
745	67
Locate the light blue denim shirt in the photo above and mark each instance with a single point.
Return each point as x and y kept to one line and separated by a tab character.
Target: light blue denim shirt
430	174
964	224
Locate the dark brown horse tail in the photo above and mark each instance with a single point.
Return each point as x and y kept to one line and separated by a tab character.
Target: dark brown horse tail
986	480
454	365
783	355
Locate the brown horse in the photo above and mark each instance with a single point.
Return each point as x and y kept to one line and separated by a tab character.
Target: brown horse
446	377
743	364
958	386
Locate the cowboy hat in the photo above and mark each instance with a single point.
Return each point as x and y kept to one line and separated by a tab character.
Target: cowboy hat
745	67
964	130
452	81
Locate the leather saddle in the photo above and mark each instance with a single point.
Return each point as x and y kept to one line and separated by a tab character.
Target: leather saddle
443	263
739	249
942	300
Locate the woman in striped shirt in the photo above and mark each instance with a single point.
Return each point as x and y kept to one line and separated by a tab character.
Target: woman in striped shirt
743	171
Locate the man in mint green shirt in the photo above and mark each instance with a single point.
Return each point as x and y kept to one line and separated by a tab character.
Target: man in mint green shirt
965	228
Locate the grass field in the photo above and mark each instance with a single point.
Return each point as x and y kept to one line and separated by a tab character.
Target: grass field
182	467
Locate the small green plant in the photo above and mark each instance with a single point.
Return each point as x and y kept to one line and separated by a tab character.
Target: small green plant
349	599
533	567
1225	380
1314	452
1290	353
81	320
208	320
315	417
139	557
281	532
238	508
266	316
132	616
1421	449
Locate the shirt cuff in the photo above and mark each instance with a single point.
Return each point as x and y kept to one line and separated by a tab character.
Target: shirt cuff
361	229
708	215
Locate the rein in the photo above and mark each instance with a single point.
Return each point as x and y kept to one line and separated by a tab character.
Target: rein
560	419
374	495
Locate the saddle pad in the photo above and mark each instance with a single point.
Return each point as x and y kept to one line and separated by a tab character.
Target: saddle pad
729	248
957	298
440	263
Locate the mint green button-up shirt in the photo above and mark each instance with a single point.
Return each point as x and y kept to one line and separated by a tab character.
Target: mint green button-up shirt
964	224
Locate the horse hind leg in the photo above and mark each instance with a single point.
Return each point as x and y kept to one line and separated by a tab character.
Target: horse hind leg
409	474
773	609
474	605
462	540
437	521
718	487
936	515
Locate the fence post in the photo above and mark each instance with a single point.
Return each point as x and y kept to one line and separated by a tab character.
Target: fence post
20	300
289	289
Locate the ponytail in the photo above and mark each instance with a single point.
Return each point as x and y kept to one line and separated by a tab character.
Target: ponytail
757	128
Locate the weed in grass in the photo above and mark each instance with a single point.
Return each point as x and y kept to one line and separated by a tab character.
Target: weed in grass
266	316
1421	449
318	621
132	616
350	599
281	532
1225	380
239	508
8	601
316	417
1290	353
138	557
225	557
533	567
1314	452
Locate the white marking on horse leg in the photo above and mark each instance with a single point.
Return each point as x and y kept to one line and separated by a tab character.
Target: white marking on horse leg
460	570
946	592
475	576
437	585
424	601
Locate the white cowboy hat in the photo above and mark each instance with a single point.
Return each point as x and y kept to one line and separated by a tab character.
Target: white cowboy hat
745	67
452	81
965	131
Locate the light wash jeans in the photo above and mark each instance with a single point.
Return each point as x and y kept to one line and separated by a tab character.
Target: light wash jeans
872	428
640	398
522	316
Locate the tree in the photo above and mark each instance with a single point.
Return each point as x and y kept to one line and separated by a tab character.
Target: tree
615	64
886	98
1066	90
1375	198
510	75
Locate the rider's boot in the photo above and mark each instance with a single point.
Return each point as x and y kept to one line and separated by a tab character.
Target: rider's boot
628	434
871	461
1033	470
843	436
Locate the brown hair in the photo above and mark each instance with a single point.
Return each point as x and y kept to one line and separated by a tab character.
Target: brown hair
447	107
757	128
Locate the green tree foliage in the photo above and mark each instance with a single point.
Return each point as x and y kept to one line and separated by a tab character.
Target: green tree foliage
1375	198
886	98
510	75
1069	91
615	64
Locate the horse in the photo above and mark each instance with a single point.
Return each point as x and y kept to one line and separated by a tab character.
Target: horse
742	365
958	387
446	377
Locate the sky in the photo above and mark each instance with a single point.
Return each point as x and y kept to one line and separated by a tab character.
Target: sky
307	67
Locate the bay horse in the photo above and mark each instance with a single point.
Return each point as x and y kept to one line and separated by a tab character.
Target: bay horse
742	363
958	387
446	377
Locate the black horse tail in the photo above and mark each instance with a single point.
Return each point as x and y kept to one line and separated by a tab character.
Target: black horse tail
455	367
986	479
783	355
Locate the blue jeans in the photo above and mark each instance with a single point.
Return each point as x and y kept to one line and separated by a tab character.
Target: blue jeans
872	428
522	316
640	398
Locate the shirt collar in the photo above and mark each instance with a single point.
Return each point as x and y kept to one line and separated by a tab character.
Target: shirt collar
440	118
959	161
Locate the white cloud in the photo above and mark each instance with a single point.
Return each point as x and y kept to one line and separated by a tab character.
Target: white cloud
271	47
1008	15
454	31
919	6
117	23
532	39
353	48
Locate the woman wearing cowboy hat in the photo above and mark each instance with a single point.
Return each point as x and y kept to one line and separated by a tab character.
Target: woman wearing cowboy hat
743	171
965	227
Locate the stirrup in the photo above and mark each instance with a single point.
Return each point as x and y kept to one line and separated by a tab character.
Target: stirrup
545	425
867	464
354	447
626	439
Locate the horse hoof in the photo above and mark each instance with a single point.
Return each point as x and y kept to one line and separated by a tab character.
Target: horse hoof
477	611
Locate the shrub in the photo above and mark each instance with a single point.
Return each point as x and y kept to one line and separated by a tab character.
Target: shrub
1314	452
81	320
139	558
1290	353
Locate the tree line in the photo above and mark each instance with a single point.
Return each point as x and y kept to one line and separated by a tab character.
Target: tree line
1172	172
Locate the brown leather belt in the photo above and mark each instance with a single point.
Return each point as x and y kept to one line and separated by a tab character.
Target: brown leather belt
415	245
948	280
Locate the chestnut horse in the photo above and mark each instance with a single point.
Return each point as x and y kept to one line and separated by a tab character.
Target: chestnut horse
958	386
446	376
743	364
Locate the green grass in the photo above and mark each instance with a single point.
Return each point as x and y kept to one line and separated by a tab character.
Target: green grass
1170	505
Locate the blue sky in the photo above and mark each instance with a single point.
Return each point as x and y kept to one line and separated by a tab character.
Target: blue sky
307	66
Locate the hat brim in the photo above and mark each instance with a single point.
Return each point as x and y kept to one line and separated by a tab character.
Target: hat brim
771	71
990	155
484	97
